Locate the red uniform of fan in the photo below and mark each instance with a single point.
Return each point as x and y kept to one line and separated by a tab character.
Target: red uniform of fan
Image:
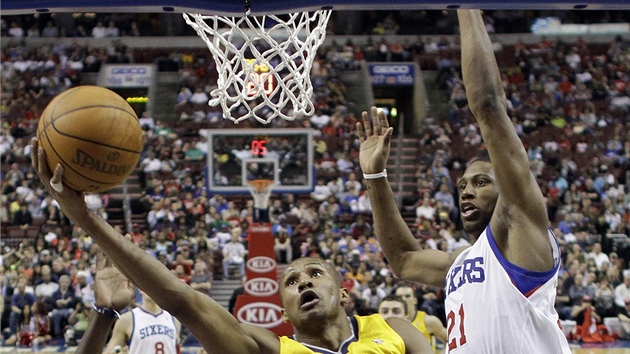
94	134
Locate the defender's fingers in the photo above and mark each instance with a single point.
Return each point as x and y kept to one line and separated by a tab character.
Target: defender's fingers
367	125
383	119
360	132
375	121
388	135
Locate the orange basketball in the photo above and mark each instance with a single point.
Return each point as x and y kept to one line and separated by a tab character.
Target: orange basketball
94	134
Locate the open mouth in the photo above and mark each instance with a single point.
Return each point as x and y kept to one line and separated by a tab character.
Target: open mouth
468	209
308	299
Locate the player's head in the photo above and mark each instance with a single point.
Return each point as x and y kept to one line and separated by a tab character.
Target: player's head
146	299
408	294
478	195
311	292
392	306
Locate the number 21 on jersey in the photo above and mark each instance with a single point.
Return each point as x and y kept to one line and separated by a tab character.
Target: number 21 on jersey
456	338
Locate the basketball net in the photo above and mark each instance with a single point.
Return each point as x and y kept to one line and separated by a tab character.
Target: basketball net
260	189
263	62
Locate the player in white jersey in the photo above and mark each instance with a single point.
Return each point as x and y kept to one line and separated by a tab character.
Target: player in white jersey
148	329
501	290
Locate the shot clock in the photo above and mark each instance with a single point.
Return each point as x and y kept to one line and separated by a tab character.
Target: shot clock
239	155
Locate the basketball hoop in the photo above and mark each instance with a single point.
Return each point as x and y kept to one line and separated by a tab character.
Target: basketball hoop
264	62
260	189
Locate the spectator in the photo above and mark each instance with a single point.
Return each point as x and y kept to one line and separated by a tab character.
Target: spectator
23	217
282	246
33	32
622	291
201	279
16	30
234	253
40	325
45	289
78	323
63	302
50	31
235	294
321	191
426	210
111	30
624	320
605	298
598	256
83	287
199	97
563	301
372	296
393	306
19	301
99	31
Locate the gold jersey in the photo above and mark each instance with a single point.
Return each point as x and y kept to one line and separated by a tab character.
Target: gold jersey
370	334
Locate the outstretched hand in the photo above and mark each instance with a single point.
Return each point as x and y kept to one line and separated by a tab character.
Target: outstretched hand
375	137
70	201
111	288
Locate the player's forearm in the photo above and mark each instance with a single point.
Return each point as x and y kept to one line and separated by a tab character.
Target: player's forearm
479	68
391	229
95	337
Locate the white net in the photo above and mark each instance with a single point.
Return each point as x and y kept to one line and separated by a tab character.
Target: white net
261	191
263	62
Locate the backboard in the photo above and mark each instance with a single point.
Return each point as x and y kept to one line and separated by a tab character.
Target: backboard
259	7
236	156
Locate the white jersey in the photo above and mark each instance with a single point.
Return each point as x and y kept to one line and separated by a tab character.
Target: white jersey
153	333
487	314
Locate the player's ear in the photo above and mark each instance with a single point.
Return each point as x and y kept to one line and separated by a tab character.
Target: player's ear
345	295
285	318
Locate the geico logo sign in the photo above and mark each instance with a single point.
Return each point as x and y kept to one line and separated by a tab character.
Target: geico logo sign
262	314
132	70
391	69
261	264
261	287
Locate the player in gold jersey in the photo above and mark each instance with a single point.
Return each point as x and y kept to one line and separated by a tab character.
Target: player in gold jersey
430	326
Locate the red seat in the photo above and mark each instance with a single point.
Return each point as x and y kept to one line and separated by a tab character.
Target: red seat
15	232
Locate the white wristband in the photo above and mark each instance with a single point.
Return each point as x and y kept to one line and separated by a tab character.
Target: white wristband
105	311
375	175
58	186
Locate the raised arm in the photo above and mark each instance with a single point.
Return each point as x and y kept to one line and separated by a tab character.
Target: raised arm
400	246
112	290
520	222
216	329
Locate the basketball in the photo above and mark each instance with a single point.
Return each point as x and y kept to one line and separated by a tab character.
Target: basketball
94	134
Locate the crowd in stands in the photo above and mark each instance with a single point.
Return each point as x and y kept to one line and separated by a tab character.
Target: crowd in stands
570	103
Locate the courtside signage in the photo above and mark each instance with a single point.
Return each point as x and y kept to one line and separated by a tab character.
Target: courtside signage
261	287
262	314
392	74
261	264
128	75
